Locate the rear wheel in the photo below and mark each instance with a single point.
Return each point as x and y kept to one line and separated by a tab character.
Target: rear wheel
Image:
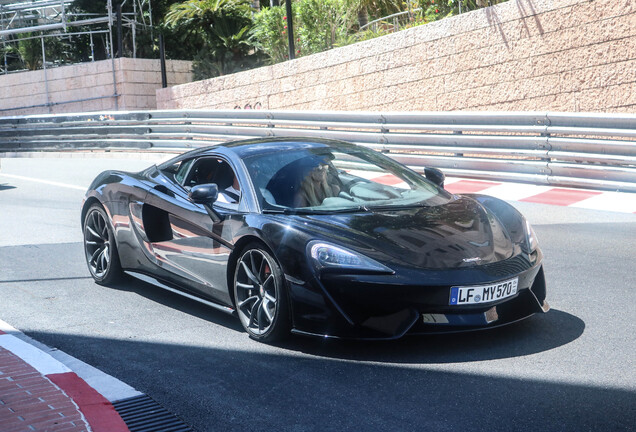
100	248
260	295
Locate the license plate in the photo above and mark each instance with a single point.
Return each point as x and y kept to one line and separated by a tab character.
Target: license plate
465	295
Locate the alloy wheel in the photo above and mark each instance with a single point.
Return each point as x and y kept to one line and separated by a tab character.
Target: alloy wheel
256	291
97	244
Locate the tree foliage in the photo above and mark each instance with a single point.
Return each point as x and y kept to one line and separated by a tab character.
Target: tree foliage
318	25
322	23
30	51
224	28
270	33
225	36
376	9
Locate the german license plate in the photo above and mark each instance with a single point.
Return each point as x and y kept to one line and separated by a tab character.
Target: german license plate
466	295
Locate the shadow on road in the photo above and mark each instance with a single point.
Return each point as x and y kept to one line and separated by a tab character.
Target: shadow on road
536	334
6	187
235	390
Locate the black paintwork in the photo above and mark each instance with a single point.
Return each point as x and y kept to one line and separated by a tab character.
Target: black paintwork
163	232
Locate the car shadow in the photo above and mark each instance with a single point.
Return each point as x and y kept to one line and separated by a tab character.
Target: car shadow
536	334
6	187
533	335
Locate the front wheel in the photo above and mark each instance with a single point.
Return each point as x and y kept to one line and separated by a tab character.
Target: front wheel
100	248
260	295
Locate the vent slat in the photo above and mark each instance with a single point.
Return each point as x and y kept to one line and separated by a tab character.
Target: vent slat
143	414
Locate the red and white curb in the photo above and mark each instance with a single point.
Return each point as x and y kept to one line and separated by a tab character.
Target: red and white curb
90	389
624	202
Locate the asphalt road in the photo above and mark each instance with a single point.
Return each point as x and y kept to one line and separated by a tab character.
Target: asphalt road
569	370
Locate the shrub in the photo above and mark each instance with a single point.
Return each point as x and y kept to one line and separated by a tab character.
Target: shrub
271	33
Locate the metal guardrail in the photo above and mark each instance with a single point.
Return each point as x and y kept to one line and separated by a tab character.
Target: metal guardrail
394	19
569	149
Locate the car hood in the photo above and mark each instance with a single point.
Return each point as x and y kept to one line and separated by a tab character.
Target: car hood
460	233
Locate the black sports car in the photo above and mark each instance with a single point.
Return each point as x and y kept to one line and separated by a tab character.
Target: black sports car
315	236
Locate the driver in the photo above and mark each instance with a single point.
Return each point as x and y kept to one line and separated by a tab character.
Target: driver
321	182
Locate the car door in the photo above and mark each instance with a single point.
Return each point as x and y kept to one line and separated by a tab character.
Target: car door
182	234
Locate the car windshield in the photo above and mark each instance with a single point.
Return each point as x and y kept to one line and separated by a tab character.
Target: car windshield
331	180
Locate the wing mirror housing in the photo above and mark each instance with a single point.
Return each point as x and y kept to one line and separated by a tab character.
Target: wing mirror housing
435	175
206	194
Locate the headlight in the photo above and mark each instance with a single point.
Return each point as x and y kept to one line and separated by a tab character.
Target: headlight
532	237
328	256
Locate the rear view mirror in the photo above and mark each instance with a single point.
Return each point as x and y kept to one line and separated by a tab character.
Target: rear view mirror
435	175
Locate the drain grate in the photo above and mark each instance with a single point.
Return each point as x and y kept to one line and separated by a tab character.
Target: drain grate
143	414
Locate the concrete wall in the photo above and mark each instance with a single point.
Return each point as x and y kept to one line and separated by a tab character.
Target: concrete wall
137	81
561	55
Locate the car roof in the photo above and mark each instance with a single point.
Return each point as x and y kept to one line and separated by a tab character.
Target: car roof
260	146
242	149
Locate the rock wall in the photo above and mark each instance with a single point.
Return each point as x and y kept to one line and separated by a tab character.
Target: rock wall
136	80
558	55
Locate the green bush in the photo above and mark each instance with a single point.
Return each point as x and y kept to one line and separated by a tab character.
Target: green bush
322	23
224	27
30	51
270	31
319	25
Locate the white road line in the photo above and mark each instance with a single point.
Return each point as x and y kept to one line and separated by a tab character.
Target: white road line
451	180
515	191
613	201
48	182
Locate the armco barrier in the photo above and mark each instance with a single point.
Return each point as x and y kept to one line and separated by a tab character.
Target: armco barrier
568	149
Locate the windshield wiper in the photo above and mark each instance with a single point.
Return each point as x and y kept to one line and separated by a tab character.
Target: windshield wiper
397	207
277	211
339	210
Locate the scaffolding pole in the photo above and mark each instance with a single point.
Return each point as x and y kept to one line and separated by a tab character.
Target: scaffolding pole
112	53
46	80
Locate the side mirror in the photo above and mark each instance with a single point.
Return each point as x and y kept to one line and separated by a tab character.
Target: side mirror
435	175
204	194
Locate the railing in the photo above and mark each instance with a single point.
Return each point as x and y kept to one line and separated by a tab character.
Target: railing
568	149
395	19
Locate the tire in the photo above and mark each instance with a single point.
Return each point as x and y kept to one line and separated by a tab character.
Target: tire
260	295
100	249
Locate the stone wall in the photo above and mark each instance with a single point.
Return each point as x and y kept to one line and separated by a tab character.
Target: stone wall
137	81
558	55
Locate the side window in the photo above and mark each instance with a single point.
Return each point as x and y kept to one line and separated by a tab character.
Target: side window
178	171
183	170
218	171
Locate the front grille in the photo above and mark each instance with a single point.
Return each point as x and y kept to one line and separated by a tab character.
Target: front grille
143	414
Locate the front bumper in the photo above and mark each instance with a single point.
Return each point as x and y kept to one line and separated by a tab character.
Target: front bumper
389	307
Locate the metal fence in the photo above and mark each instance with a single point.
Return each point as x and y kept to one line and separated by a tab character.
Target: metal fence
568	149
